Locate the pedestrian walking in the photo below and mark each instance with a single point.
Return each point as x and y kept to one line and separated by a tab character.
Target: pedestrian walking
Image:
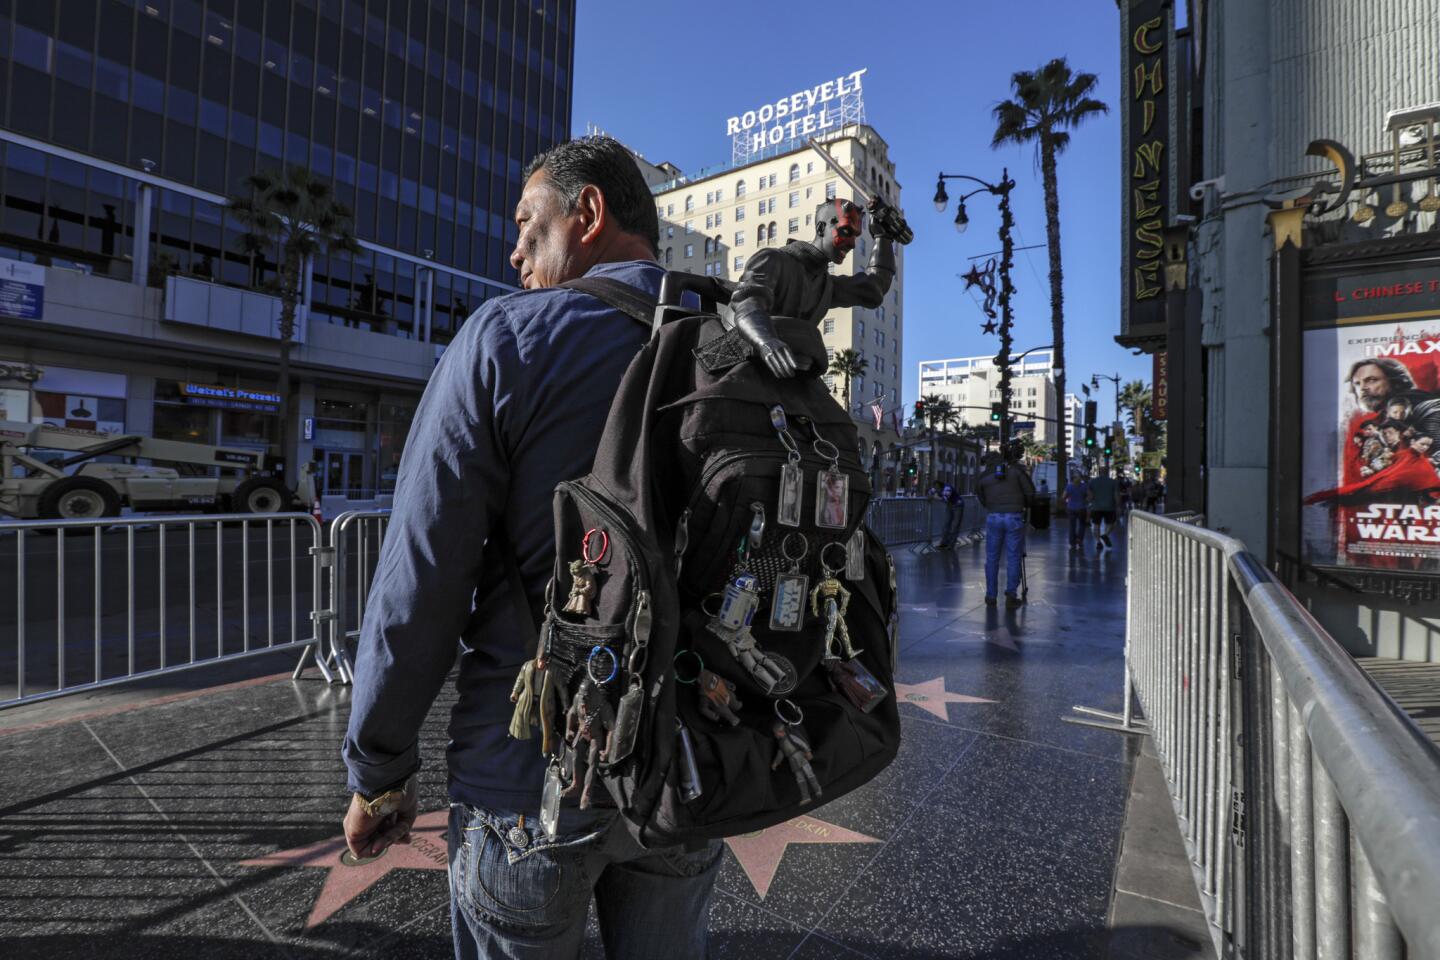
1103	493
516	405
954	515
1077	501
1005	490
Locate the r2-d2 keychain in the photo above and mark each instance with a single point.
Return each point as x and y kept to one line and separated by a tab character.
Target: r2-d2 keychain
731	624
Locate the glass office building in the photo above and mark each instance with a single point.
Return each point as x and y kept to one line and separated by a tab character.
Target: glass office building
127	119
421	113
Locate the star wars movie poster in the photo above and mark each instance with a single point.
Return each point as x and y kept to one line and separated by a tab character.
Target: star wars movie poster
1371	468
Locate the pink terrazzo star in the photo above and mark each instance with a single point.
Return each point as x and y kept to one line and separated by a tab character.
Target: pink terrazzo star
931	696
425	851
760	853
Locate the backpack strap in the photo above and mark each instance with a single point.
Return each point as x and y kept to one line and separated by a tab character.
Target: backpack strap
623	297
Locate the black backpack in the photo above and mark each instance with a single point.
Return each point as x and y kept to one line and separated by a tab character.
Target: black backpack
669	555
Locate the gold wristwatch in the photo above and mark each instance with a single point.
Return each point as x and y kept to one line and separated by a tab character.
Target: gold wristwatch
384	804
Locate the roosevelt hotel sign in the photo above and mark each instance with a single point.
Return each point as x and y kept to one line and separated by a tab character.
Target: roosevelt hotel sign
771	128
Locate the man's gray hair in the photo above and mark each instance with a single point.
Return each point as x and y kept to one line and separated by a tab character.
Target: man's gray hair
1394	370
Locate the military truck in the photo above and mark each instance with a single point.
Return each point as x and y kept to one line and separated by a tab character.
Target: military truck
67	483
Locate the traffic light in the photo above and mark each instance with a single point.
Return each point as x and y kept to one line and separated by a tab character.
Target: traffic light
910	469
919	409
1090	410
1090	435
997	412
1109	448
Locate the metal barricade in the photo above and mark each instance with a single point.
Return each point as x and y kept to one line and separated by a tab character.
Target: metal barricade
350	557
1309	805
102	602
907	520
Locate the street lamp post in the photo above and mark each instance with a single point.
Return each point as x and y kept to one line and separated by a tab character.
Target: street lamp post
1095	382
1007	289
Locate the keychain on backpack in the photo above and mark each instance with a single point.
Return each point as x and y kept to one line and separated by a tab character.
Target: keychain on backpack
787	607
794	748
855	556
855	683
832	488
792	477
731	624
583	573
831	596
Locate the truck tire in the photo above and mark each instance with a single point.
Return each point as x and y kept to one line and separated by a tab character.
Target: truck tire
79	498
261	495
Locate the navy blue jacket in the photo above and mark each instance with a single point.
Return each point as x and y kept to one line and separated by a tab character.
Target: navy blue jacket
516	404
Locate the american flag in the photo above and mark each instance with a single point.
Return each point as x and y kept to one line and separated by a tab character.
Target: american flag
878	408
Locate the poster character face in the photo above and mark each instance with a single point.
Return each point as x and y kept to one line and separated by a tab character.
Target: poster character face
830	502
1398	409
1391	436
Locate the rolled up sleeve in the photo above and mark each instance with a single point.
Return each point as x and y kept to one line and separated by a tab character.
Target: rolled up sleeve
452	487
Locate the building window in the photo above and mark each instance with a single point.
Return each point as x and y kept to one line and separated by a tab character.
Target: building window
710	198
668	256
771	234
720	195
772	179
689	226
739	189
794	198
860	328
670	230
830	190
739	238
689	250
719	219
709	222
708	249
689	203
879	337
810	167
879	389
669	209
807	219
739	263
793	225
794	172
760	233
829	325
739	213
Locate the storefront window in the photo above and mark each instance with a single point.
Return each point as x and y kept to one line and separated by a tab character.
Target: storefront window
14	405
178	422
244	428
395	422
102	414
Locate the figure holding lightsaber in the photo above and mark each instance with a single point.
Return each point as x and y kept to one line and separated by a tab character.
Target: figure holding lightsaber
794	280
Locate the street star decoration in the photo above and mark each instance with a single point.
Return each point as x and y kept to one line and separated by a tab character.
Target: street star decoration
932	697
760	853
425	851
985	280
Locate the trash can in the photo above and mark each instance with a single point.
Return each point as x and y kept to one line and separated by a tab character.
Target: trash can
1040	512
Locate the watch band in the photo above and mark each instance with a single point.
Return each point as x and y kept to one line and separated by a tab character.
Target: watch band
387	802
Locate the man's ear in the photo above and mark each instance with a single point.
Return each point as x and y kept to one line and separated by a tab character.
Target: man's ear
593	213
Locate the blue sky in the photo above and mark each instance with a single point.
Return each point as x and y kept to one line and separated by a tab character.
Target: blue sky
665	76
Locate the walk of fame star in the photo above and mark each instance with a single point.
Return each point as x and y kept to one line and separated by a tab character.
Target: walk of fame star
760	852
931	696
425	851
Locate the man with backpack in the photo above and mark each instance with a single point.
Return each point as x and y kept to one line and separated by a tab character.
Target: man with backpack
1005	490
515	406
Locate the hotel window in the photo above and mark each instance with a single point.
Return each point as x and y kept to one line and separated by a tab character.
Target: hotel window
719	219
794	172
670	230
808	191
794	198
771	234
689	226
860	328
689	203
739	189
710	198
830	190
720	195
760	233
829	325
810	167
669	255
739	213
739	263
709	221
708	248
794	225
689	250
669	209
739	238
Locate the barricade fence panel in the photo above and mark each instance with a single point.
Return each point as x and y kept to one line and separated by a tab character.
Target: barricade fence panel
97	603
905	520
1308	804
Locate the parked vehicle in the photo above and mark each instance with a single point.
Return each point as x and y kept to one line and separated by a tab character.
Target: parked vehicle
174	476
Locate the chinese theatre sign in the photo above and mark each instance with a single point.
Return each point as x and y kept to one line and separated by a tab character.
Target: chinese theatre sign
1147	147
1160	387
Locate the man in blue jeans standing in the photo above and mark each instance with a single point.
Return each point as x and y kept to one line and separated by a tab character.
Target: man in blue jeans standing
507	414
1005	490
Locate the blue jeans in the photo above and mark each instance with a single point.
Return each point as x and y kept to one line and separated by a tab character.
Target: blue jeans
518	901
1004	531
1077	524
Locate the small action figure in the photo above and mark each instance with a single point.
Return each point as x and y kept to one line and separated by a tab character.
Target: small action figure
582	588
836	601
717	699
732	625
795	749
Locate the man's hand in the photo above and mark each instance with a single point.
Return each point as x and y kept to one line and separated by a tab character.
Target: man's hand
368	835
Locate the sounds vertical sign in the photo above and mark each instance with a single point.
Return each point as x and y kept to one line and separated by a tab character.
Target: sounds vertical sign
1147	145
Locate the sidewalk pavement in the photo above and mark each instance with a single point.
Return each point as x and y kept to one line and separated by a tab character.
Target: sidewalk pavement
209	825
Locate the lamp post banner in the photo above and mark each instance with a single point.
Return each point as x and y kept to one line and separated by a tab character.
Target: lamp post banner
1370	461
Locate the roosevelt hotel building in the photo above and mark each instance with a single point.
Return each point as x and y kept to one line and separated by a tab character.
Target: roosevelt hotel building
714	220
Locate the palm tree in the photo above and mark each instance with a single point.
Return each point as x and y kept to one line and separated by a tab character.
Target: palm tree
1048	103
1135	401
940	414
299	216
848	364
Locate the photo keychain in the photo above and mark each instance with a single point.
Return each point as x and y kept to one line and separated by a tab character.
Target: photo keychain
583	574
787	607
855	556
832	489
792	477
